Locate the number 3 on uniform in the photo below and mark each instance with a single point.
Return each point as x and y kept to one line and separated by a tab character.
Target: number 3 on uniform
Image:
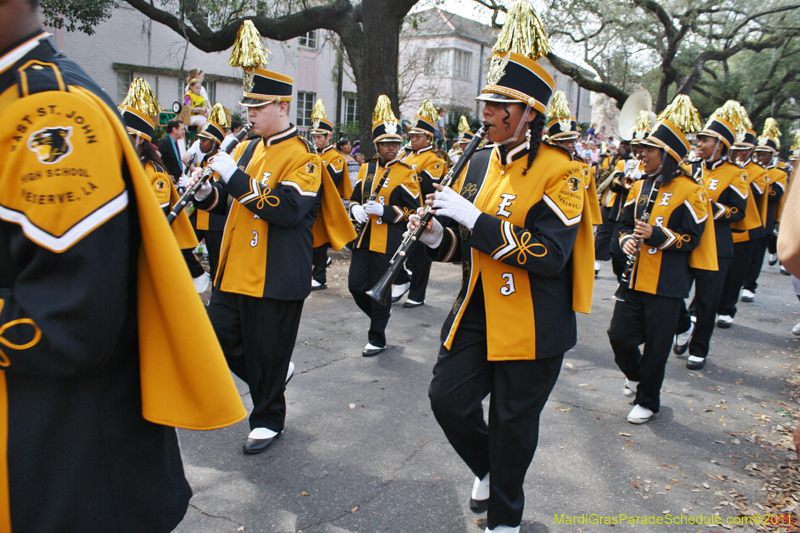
509	289
254	242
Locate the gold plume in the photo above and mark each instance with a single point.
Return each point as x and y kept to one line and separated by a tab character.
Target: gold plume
463	125
248	52
218	116
383	111
642	121
733	112
523	33
428	112
140	97
683	114
796	145
319	110
559	107
772	129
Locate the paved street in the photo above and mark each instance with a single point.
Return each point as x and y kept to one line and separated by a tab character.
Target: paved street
362	452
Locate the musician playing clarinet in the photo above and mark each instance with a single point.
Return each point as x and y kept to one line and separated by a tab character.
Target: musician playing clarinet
521	230
386	193
675	210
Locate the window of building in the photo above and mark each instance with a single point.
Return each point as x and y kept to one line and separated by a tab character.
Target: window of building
305	104
350	109
211	89
124	79
461	62
309	40
570	90
448	63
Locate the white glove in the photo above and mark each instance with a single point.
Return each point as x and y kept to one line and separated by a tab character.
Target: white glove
373	208
359	214
183	181
224	165
431	237
449	203
203	191
630	164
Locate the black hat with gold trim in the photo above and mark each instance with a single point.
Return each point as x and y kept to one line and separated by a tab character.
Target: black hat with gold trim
794	151
514	75
674	123
562	125
214	127
464	135
770	140
261	86
723	123
735	113
425	119
642	127
320	125
138	109
385	127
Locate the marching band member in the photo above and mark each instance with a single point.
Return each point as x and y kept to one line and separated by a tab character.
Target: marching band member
726	186
333	163
747	231
94	302
421	156
520	229
386	193
463	139
766	154
675	208
273	182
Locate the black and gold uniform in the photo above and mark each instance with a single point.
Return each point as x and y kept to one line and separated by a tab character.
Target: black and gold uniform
521	230
400	198
94	302
746	233
611	200
649	306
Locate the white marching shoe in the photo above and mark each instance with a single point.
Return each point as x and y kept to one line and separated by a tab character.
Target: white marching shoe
748	296
289	373
724	321
640	415
503	529
479	498
399	290
682	340
629	390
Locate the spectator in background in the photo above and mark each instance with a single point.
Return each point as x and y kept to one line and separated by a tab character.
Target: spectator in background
169	147
197	74
197	103
356	148
360	158
352	165
439	136
236	126
590	133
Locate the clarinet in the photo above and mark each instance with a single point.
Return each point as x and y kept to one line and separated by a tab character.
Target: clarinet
188	196
361	227
651	200
187	172
381	289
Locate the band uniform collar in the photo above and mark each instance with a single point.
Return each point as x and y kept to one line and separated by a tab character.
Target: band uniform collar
429	147
282	136
716	164
507	157
18	50
329	147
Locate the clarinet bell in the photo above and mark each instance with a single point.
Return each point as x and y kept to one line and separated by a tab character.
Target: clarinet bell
380	292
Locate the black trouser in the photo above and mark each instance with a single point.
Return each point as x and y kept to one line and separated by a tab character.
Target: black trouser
751	278
772	242
320	264
257	336
366	268
419	263
195	268
603	235
737	270
213	240
707	292
652	320
462	377
619	259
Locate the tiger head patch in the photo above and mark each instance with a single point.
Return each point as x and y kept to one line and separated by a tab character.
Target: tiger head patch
51	145
574	184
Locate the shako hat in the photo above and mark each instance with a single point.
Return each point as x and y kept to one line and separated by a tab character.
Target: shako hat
214	128
770	140
642	127
724	123
261	86
735	113
138	109
514	75
385	127
425	119
320	125
562	126
464	134
674	123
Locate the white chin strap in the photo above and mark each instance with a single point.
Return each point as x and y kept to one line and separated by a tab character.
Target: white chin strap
661	165
522	124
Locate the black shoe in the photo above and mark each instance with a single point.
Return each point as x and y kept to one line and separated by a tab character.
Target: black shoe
370	350
329	262
478	506
411	303
695	362
317	286
254	446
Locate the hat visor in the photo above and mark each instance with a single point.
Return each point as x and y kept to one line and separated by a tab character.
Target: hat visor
252	102
495	97
207	135
388	139
565	136
763	149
